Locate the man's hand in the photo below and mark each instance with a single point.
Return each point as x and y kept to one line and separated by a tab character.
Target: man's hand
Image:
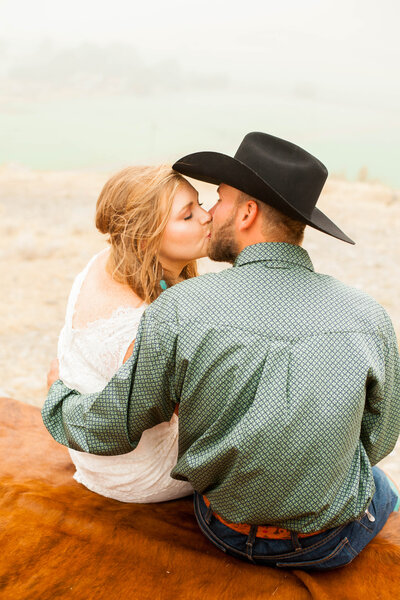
53	373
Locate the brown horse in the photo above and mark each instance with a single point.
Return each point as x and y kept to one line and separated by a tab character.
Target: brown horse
58	540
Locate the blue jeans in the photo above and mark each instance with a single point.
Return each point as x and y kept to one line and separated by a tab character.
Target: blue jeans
327	550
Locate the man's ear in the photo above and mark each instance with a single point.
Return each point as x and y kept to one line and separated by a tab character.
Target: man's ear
247	214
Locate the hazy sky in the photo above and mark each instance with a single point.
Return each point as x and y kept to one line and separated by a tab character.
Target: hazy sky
322	72
348	46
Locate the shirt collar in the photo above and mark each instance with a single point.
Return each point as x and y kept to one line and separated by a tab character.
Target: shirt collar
277	252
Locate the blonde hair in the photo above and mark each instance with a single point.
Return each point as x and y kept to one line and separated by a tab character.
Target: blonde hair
133	209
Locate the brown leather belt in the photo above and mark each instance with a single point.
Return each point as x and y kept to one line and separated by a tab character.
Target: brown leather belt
270	532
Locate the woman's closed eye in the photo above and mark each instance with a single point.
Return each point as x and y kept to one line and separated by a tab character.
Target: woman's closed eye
191	215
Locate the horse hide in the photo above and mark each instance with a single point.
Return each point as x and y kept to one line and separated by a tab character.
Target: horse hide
58	540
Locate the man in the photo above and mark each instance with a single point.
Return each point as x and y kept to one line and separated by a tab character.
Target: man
287	380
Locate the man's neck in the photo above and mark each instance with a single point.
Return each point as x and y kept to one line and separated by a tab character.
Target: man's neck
263	240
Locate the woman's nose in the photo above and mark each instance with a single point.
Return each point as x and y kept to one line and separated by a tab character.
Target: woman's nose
212	210
206	216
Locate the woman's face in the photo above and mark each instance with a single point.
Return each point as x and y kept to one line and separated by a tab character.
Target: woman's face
187	233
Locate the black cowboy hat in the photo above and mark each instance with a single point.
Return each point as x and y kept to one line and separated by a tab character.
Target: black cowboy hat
272	170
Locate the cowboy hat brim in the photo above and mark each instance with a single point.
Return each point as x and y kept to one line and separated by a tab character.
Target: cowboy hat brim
217	168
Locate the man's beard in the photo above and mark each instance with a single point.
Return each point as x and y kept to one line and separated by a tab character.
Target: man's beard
223	246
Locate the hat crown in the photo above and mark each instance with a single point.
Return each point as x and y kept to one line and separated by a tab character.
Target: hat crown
294	173
271	170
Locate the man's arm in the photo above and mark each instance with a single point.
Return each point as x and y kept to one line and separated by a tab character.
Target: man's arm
140	395
380	426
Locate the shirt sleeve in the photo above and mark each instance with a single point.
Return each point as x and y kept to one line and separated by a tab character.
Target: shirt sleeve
380	426
140	395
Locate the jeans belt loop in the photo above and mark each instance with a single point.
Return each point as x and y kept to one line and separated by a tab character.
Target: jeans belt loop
295	540
209	515
250	541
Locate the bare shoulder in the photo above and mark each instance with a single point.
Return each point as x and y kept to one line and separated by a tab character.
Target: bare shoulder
100	295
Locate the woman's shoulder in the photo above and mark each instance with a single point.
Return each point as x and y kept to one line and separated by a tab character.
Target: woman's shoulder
80	277
96	296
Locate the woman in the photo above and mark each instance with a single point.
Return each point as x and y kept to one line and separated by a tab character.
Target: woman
156	230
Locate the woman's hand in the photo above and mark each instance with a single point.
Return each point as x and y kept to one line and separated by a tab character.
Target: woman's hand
53	373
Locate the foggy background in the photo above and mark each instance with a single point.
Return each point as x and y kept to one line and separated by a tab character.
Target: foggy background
88	87
88	84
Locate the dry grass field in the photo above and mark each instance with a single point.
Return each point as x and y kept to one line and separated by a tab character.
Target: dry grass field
48	235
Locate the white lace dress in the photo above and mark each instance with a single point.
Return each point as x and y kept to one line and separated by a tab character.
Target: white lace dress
88	359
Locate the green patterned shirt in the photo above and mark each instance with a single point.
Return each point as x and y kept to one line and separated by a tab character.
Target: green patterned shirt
288	383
